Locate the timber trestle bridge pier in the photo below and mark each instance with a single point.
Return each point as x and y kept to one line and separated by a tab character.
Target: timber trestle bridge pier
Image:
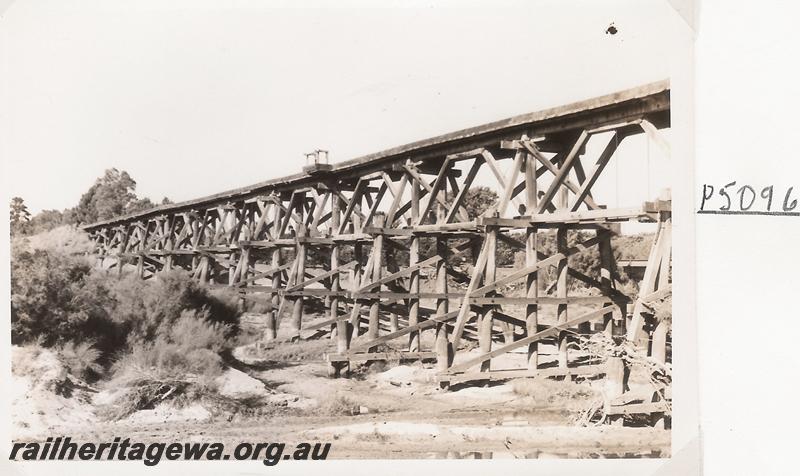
385	248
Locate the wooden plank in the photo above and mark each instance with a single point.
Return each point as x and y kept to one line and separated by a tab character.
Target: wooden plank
486	322
597	169
640	408
464	310
397	296
414	281
321	276
398	355
549	332
549	261
353	205
431	321
511	180
660	294
646	286
552	168
459	200
544	300
563	171
442	341
433	193
374	206
655	135
400	274
506	374
492	163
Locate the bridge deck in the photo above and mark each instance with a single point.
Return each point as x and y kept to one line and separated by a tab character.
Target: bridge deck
650	99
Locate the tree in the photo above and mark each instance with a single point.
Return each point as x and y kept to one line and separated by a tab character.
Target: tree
479	199
143	204
55	299
110	196
476	201
46	220
139	205
20	215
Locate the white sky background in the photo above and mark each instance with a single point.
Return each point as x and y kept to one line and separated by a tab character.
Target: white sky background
193	99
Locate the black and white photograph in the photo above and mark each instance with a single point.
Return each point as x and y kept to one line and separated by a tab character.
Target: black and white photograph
282	235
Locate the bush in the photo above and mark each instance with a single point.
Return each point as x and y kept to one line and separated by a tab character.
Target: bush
63	239
337	405
547	392
55	299
148	309
182	363
81	359
191	346
59	300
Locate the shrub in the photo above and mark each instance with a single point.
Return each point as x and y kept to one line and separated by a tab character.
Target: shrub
81	359
337	405
55	299
548	392
65	239
148	309
182	361
191	346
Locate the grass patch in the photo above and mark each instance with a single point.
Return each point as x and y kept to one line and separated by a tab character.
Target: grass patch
337	405
304	351
180	367
548	392
81	359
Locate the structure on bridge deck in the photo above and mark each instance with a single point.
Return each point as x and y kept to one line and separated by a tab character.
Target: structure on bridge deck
384	244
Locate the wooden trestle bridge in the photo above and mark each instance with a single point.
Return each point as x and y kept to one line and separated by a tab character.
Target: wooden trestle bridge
385	248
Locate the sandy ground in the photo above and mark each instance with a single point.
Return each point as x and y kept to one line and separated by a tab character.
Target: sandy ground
392	411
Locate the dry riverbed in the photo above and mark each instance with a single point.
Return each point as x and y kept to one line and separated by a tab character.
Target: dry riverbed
384	411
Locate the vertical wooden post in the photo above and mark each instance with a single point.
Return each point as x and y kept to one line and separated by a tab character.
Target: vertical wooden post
392	267
614	386
297	309
241	275
606	277
271	331
562	270
358	256
561	292
333	302
443	353
122	248
194	241
647	284
342	333
413	258
204	265
231	218
659	343
531	257
490	276
377	253
271	328
168	243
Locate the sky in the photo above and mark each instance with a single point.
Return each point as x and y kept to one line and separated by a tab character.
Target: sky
193	98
